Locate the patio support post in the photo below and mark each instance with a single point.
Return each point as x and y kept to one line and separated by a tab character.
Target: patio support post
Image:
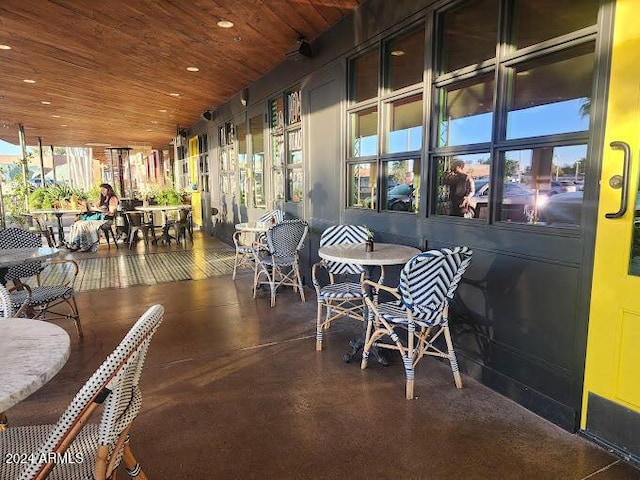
25	167
43	182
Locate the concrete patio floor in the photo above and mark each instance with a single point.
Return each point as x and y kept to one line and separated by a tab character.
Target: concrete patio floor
234	389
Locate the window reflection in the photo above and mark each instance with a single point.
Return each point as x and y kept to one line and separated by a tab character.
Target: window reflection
364	133
257	160
466	112
241	142
543	186
405	129
405	60
364	77
552	95
634	263
533	23
362	185
459	176
469	34
400	185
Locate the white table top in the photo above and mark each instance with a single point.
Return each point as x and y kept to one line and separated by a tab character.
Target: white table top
383	254
56	211
253	227
163	208
18	256
32	352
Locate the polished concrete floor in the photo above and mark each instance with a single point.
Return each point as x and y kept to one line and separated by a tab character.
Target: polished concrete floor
234	389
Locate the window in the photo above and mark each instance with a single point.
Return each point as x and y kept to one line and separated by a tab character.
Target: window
526	163
243	168
226	137
386	124
286	147
256	125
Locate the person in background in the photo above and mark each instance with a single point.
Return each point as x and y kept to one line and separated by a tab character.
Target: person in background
461	187
84	232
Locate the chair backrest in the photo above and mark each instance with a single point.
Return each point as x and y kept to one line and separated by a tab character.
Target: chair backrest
6	305
284	239
343	235
18	238
277	215
135	218
115	383
429	280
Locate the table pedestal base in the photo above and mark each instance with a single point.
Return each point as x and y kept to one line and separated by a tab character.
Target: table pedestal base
356	352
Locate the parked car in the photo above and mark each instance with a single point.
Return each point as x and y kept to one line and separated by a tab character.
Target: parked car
563	208
517	203
561	186
399	197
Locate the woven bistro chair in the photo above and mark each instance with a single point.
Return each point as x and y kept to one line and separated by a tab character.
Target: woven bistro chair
428	283
244	252
279	265
342	296
92	451
44	301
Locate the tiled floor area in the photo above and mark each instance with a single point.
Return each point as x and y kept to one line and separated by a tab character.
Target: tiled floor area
234	389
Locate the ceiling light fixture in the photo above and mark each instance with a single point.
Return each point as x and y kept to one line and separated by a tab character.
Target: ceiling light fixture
163	110
5	47
397	53
64	125
193	69
174	94
224	23
45	102
237	38
55	116
27	80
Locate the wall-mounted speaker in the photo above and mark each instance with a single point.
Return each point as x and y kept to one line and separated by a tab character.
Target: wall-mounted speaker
300	51
208	115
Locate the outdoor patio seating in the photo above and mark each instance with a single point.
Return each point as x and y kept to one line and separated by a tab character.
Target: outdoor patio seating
342	296
42	301
183	226
108	229
137	224
244	252
96	449
428	283
279	265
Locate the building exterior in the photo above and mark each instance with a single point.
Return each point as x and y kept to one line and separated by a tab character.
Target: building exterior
530	95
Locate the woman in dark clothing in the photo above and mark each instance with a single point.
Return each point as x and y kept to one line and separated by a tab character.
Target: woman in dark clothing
461	187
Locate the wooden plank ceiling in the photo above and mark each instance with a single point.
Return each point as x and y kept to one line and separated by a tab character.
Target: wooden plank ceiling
115	71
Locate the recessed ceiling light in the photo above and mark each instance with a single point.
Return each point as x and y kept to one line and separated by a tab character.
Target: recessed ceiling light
397	53
174	94
149	130
28	81
162	110
193	69
64	125
154	121
238	38
45	102
5	47
55	116
224	23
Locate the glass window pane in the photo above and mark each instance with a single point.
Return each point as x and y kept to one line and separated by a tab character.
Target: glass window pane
364	77
364	133
294	107
400	185
466	112
405	129
241	142
462	186
543	186
362	185
552	95
278	184
469	34
294	147
634	261
405	60
295	184
535	22
256	125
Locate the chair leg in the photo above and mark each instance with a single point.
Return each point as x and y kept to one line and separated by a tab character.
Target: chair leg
131	465
452	358
319	326
299	278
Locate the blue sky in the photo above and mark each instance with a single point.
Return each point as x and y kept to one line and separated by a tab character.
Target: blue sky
8	149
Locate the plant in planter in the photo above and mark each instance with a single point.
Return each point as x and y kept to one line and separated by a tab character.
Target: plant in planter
368	244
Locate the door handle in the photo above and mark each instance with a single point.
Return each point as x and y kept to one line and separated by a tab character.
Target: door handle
624	182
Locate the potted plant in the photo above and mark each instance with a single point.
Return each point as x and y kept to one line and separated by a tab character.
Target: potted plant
368	244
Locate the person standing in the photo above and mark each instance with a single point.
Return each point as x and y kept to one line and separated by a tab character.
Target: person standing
461	187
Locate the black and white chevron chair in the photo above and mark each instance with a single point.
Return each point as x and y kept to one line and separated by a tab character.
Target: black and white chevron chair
73	449
342	296
279	265
428	283
45	301
276	215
